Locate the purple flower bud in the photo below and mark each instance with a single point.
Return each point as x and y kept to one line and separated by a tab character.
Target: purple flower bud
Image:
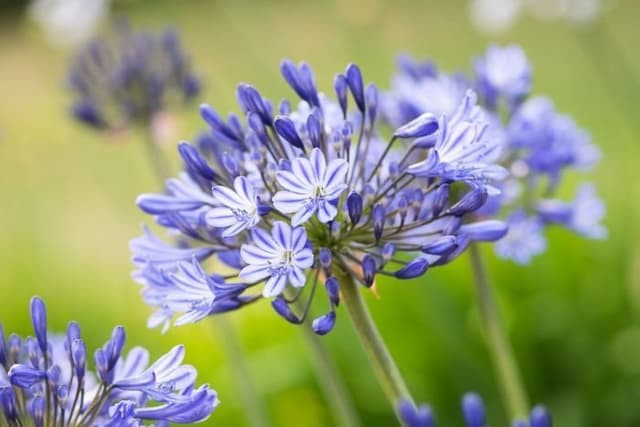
37	409
284	310
415	417
102	366
415	268
354	207
341	88
378	217
314	130
62	393
441	199
473	410
39	320
388	251
372	103
33	352
540	417
287	129
324	256
191	87
324	324
485	231
470	202
54	374
230	164
442	245
114	346
333	290
194	162
210	116
309	83
8	403
73	333
14	344
79	358
251	101
284	108
25	376
354	81
422	126
369	269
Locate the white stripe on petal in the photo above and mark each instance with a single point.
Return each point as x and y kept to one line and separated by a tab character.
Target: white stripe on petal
304	258
255	273
326	211
228	197
288	202
220	217
296	277
274	286
304	214
291	182
255	256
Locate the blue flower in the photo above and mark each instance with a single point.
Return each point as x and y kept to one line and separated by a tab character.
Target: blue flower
318	191
56	385
517	155
126	79
282	256
240	207
473	413
524	239
311	186
503	72
582	215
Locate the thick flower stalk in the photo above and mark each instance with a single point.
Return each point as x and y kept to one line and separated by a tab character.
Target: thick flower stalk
127	78
536	145
473	413
45	381
293	199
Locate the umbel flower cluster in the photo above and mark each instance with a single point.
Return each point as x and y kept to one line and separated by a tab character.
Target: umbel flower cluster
45	381
127	78
540	145
311	194
473	412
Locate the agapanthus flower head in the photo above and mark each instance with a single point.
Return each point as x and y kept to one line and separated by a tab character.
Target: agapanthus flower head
473	414
129	77
46	381
301	194
523	140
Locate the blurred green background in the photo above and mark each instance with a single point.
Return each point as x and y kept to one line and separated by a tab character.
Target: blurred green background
67	213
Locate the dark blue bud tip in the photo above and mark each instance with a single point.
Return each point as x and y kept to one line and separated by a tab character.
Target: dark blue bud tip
473	410
39	320
422	126
115	345
325	258
371	96
415	268
333	290
354	207
284	310
369	268
341	87
287	129
324	324
354	81
413	416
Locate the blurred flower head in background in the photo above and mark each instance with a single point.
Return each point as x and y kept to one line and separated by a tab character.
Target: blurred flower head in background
69	22
535	143
45	381
496	16
129	78
300	196
473	412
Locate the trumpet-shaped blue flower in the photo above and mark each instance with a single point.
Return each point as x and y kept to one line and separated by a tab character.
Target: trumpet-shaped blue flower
239	209
515	149
311	186
318	189
56	384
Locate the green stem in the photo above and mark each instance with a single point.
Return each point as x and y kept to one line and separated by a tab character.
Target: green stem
383	365
509	380
330	380
251	403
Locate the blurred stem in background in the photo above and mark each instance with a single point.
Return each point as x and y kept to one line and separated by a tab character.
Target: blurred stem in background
618	75
383	365
330	381
252	403
509	380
